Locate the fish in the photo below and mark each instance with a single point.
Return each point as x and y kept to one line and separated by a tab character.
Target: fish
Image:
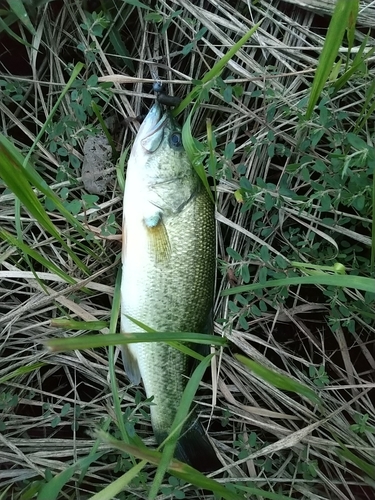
168	273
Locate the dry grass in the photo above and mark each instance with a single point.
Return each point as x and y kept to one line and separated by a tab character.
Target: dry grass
49	413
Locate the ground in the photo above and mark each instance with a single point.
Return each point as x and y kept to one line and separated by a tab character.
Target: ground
293	182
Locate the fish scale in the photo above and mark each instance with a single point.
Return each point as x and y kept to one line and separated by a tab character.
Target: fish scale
168	269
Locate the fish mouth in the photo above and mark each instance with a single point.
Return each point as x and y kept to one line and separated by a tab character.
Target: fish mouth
155	120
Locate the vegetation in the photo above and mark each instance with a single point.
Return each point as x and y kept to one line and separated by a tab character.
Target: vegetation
278	112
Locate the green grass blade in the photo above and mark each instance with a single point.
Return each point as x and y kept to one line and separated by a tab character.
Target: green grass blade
98	114
115	487
347	281
144	453
17	178
367	108
30	252
11	172
220	65
216	69
343	17
351	25
51	490
4	26
279	380
372	258
120	169
22	371
120	48
99	325
94	450
190	147
71	324
18	9
177	345
194	153
356	64
113	339
76	70
4	493
364	466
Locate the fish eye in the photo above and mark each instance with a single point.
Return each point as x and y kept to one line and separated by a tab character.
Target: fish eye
175	140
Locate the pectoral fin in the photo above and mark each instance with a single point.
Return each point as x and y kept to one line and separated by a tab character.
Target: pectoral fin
158	237
131	365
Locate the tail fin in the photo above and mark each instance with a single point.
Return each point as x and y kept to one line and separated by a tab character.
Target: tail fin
195	449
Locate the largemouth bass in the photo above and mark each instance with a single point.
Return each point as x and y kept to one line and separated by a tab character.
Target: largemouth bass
168	272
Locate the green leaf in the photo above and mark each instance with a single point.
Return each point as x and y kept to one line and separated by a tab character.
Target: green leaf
227	94
155	17
55	422
92	81
229	150
200	34
235	255
74	206
355	141
65	410
187	49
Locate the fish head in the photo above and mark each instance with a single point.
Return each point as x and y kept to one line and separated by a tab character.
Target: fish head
160	162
